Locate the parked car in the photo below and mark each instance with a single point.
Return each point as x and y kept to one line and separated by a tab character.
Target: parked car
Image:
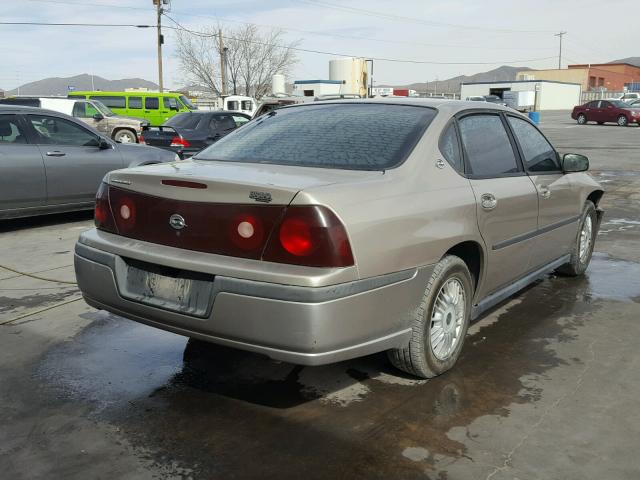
155	107
91	112
494	99
327	231
634	103
630	96
51	162
602	111
188	133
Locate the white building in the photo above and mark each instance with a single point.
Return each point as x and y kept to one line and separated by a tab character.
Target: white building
315	88
549	95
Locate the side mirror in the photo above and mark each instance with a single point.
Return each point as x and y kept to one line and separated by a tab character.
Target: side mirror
103	144
98	116
574	162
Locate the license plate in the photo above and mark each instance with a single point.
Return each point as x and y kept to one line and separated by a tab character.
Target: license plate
188	294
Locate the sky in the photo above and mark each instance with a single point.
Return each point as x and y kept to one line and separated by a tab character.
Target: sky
458	36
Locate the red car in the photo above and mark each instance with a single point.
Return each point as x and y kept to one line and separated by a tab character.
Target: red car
602	111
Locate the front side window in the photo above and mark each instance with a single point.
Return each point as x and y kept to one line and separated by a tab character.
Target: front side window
170	103
59	131
111	101
349	136
10	131
151	103
539	155
487	146
450	147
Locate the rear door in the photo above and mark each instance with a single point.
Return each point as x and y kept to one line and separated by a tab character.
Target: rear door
507	201
22	175
74	164
559	204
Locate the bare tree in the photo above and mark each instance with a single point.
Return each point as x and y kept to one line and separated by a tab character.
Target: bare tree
252	58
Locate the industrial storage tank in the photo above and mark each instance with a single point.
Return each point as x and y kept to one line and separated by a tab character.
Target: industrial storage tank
278	84
353	72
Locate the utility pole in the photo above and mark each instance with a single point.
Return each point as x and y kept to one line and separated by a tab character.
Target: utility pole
159	10
560	34
223	64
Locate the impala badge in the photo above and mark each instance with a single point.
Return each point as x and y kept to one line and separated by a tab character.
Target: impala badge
177	221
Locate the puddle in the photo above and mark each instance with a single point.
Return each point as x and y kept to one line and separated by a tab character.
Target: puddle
611	279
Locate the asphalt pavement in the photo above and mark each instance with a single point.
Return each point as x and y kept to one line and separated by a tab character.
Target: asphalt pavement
547	386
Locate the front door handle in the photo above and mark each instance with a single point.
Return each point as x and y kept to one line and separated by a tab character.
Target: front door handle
56	153
545	192
488	201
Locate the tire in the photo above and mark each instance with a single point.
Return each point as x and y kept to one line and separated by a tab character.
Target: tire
623	121
125	136
578	263
421	357
582	119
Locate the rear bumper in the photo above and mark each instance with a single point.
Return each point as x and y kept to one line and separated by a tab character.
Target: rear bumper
303	325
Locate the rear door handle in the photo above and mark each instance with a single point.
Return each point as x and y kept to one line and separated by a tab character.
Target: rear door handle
488	201
56	153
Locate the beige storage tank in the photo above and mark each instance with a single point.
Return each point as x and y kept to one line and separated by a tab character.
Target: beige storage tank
353	71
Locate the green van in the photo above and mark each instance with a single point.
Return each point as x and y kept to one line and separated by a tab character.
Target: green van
155	107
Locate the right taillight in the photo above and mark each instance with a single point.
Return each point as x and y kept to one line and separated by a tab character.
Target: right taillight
103	217
311	236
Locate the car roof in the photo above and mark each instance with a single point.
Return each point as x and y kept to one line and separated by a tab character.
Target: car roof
448	106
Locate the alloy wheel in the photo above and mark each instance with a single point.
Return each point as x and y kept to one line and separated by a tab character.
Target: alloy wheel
585	239
447	319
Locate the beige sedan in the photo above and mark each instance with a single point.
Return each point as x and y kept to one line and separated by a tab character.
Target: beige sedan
327	231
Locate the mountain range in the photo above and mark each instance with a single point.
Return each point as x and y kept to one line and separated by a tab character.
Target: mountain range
60	85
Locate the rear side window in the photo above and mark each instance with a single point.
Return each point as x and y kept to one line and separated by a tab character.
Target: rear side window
10	131
151	103
135	102
450	147
111	101
349	136
247	105
487	146
233	105
539	155
240	120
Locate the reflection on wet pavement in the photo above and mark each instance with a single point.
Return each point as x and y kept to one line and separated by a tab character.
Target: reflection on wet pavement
166	392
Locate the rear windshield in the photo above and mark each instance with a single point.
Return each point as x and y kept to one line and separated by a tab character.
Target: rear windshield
187	121
349	136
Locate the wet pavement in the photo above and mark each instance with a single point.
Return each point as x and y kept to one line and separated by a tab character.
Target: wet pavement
546	388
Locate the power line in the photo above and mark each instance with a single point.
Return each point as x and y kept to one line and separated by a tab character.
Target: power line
336	54
290	29
52	24
389	16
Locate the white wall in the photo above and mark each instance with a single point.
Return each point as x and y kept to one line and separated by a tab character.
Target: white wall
557	96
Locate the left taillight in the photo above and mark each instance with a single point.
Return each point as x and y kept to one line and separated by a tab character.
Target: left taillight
103	217
178	141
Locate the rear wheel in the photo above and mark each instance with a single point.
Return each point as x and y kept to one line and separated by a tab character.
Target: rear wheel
623	121
582	119
125	136
441	322
584	243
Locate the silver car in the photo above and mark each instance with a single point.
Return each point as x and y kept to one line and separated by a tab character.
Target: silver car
327	231
50	162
